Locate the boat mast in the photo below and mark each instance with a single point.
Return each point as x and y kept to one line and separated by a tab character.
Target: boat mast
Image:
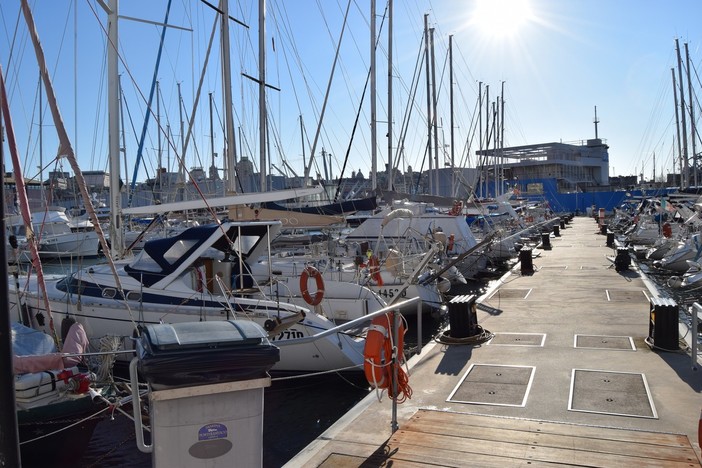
453	167
685	176
263	121
159	176
677	124
479	161
213	168
374	134
435	119
229	141
389	171
116	235
692	117
9	436
429	117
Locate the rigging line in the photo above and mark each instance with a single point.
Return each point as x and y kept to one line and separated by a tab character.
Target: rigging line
414	87
131	122
358	115
326	96
12	49
140	142
181	158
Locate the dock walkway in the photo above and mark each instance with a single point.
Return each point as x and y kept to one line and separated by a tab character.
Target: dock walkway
568	379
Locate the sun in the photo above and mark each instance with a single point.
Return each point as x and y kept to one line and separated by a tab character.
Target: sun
501	18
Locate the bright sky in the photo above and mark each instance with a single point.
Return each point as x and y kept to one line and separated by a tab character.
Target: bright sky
558	60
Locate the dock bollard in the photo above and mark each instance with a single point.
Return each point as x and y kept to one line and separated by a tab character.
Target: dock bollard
556	231
525	259
562	223
610	239
546	240
603	229
463	318
663	324
622	260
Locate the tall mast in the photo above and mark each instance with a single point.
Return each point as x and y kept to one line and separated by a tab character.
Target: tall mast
685	174
116	235
229	140
502	133
389	171
41	144
435	119
677	125
262	89
480	137
213	169
374	134
158	125
453	168
429	116
181	164
692	117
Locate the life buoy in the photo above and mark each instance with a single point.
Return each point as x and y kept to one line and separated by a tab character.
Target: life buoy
374	268
456	208
667	230
451	242
378	363
307	273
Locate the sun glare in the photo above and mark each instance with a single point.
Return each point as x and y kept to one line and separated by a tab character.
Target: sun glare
501	18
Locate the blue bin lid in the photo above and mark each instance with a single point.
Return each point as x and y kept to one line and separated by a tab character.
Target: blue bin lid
204	335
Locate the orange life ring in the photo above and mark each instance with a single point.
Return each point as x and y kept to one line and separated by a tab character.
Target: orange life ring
307	273
667	230
378	364
374	267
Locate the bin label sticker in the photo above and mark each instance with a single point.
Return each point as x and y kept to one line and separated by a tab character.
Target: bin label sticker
212	432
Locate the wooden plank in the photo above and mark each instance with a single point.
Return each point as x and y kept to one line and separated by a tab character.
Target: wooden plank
339	460
408	453
469	447
574	442
595	432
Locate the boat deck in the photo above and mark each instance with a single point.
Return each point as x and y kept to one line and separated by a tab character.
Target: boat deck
567	379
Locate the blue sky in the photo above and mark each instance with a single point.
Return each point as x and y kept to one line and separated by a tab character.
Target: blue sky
558	60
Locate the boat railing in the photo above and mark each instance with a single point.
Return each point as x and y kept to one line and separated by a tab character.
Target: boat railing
356	322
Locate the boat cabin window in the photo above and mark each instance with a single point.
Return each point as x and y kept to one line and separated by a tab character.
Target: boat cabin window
144	262
109	293
133	296
244	244
178	250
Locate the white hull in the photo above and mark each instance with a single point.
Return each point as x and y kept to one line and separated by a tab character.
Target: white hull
102	316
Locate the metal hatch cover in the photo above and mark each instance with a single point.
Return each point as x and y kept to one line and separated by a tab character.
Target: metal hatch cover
494	384
609	392
621	343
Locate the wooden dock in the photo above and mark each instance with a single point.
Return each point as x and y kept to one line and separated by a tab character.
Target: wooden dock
567	380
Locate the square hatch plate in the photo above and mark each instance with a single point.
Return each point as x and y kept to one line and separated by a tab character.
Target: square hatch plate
511	294
608	392
494	384
518	339
623	343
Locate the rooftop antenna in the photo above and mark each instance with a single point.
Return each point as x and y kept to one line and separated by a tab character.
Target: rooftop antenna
596	122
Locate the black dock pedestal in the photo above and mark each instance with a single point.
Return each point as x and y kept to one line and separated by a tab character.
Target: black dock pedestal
663	324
